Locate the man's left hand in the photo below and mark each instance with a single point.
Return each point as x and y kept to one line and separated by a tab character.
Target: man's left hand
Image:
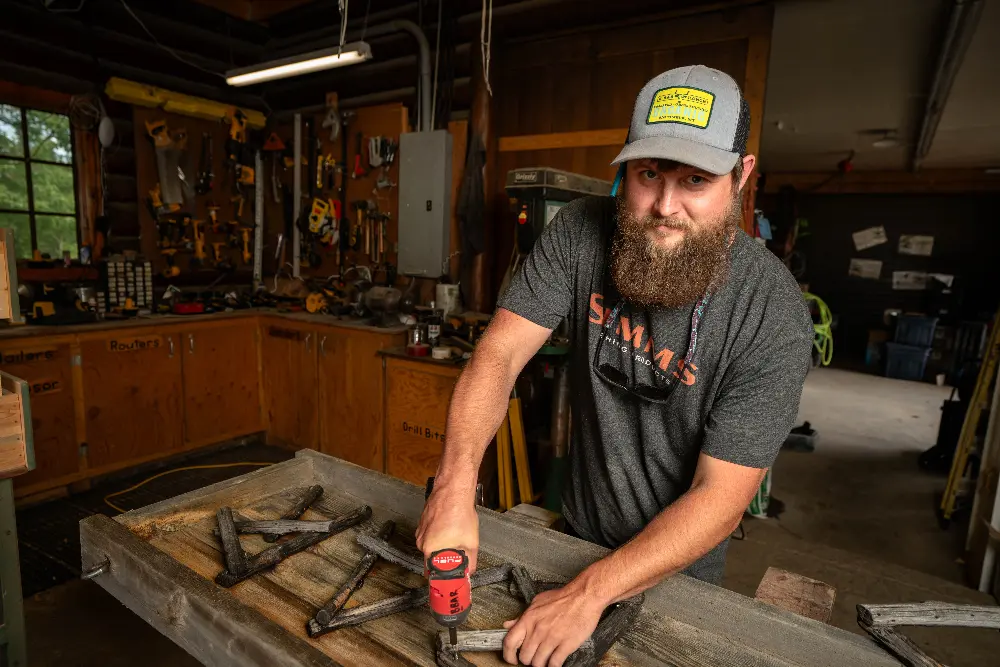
555	625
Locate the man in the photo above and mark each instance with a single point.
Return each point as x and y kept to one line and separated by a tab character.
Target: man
691	345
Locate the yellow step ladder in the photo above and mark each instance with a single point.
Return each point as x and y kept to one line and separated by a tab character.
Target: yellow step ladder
511	436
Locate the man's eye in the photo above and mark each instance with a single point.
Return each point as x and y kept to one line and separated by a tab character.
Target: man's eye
649	173
695	179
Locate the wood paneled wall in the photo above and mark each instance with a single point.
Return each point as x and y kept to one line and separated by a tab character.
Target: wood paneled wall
588	81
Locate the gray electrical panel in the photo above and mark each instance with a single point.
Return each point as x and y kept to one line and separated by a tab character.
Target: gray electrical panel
424	203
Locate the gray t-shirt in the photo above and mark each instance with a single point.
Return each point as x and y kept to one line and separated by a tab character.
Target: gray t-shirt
737	400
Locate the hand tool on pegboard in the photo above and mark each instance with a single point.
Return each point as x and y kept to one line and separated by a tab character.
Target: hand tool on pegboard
275	148
156	206
198	233
345	242
358	171
240	167
171	271
206	177
163	146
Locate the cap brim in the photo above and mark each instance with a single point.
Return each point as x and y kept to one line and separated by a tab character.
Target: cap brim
711	159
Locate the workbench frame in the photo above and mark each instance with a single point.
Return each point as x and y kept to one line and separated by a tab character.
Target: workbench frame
684	621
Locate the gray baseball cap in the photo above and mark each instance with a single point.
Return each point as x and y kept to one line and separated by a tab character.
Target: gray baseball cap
694	115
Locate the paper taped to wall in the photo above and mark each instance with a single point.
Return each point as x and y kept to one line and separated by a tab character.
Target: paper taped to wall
909	280
912	244
865	268
869	238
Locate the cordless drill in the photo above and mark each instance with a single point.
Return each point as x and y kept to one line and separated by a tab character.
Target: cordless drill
450	589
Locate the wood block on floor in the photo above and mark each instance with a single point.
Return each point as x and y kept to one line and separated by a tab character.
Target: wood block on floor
536	515
795	593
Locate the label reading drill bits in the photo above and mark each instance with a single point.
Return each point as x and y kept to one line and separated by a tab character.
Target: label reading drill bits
423	431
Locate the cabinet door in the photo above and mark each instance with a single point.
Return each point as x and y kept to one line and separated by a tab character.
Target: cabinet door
132	397
221	383
417	397
290	392
350	395
47	370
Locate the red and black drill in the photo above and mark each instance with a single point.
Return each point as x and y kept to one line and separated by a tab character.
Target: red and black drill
450	589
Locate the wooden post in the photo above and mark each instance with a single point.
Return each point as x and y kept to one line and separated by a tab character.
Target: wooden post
754	85
476	275
797	594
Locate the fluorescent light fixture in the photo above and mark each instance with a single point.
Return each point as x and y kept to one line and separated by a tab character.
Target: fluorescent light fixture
305	63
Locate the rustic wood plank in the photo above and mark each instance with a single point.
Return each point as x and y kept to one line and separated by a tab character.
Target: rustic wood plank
900	646
577	139
929	613
797	594
236	558
200	617
273	555
278	527
681	614
376	545
536	515
307	499
354	581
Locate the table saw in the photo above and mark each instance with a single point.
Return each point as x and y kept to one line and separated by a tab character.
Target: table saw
161	561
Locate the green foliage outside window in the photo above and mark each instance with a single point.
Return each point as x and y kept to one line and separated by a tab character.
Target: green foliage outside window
37	186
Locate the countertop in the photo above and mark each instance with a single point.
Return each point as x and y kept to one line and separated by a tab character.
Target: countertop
32	331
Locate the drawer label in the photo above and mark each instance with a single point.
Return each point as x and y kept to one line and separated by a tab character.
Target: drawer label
17	356
39	387
134	343
423	431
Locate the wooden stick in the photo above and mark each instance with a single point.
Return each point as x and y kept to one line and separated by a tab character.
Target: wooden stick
236	558
483	641
279	527
929	613
298	509
900	646
271	556
411	599
616	622
354	581
524	584
539	586
374	544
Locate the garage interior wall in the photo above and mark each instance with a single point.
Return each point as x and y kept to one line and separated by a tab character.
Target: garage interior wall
966	245
589	81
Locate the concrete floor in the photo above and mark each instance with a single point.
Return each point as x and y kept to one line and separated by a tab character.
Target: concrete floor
858	515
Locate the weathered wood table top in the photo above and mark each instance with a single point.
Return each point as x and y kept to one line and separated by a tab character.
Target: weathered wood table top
164	558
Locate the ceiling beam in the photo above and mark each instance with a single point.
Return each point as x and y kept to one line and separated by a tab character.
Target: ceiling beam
961	26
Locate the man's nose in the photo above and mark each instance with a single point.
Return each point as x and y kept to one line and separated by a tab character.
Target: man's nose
667	202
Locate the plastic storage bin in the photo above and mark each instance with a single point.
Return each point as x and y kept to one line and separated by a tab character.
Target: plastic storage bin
906	362
915	330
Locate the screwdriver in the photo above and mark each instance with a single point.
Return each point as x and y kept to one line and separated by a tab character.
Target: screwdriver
450	589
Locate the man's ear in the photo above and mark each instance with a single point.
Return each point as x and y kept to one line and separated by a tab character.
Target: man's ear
749	161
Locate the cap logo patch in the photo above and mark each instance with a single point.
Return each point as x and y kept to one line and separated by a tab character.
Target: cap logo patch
688	106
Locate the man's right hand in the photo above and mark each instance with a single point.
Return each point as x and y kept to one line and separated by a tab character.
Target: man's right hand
449	521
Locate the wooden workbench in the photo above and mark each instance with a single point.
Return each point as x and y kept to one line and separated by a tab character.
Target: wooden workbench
163	559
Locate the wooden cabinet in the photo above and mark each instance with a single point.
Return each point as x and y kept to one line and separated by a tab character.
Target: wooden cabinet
416	397
351	394
46	369
221	382
133	405
288	352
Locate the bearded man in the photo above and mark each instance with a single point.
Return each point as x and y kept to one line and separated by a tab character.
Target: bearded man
691	345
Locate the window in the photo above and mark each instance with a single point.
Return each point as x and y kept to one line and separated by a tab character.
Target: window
38	182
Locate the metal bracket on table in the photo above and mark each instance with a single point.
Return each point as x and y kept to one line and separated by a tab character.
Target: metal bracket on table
97	570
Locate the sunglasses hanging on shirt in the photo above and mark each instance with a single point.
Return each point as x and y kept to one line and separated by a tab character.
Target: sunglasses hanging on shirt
651	393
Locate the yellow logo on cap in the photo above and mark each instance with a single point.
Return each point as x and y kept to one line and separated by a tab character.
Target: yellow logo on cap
689	106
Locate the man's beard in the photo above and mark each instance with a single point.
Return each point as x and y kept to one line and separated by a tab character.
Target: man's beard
648	275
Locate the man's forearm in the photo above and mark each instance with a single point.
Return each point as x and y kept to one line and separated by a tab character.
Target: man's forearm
477	409
679	535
